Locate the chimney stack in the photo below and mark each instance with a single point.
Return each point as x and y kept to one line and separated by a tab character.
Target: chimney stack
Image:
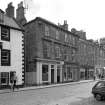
65	25
10	10
20	17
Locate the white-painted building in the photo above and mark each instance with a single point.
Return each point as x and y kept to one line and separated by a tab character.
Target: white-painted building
11	50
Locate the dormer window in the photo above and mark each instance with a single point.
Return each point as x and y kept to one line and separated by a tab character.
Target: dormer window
5	33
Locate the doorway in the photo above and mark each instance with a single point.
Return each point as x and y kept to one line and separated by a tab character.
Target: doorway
58	74
52	73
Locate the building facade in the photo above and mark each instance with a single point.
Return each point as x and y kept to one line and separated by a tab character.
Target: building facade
11	50
100	58
91	56
50	53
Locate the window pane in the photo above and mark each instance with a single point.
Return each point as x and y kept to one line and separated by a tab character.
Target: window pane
46	30
66	38
46	49
57	52
4	77
5	33
101	84
45	72
5	57
57	34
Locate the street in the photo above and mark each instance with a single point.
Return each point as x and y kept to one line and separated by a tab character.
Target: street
77	94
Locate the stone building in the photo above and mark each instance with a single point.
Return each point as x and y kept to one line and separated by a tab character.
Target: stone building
85	55
11	48
91	56
100	58
50	53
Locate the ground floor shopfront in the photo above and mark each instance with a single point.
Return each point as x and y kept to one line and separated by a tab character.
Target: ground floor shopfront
99	71
86	73
70	72
7	73
51	71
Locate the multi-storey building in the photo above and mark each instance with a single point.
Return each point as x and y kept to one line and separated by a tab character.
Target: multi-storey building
85	56
100	58
50	52
91	56
11	48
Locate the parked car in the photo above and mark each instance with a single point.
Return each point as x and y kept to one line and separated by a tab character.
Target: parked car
98	90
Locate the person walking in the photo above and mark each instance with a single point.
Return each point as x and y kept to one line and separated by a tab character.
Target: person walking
14	81
94	77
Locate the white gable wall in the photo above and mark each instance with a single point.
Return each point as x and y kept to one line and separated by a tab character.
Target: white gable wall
15	46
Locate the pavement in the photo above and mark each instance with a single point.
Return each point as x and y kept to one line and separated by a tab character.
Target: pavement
41	87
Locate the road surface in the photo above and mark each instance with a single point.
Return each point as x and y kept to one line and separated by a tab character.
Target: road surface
77	94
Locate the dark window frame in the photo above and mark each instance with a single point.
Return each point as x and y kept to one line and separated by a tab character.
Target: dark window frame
4	78
5	62
46	50
5	35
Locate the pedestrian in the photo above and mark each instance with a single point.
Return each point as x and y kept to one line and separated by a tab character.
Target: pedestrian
14	81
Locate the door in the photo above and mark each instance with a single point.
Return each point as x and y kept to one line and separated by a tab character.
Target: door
58	73
12	75
52	75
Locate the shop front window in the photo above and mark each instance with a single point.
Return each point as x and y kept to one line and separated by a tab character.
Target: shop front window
69	73
82	75
91	74
64	75
44	72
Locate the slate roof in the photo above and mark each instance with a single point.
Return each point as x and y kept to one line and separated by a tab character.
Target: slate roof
50	23
8	21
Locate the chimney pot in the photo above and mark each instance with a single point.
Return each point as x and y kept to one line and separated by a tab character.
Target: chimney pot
10	10
20	17
20	5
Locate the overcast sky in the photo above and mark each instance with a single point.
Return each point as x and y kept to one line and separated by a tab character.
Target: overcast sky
87	15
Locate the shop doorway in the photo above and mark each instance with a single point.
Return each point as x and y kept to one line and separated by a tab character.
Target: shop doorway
52	73
58	74
12	73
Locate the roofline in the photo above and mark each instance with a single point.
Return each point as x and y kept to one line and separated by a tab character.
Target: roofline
12	27
50	23
22	28
2	11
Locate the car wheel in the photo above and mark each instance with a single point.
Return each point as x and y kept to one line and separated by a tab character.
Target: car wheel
98	97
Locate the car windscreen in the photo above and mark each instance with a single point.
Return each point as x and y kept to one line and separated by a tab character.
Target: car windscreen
100	84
